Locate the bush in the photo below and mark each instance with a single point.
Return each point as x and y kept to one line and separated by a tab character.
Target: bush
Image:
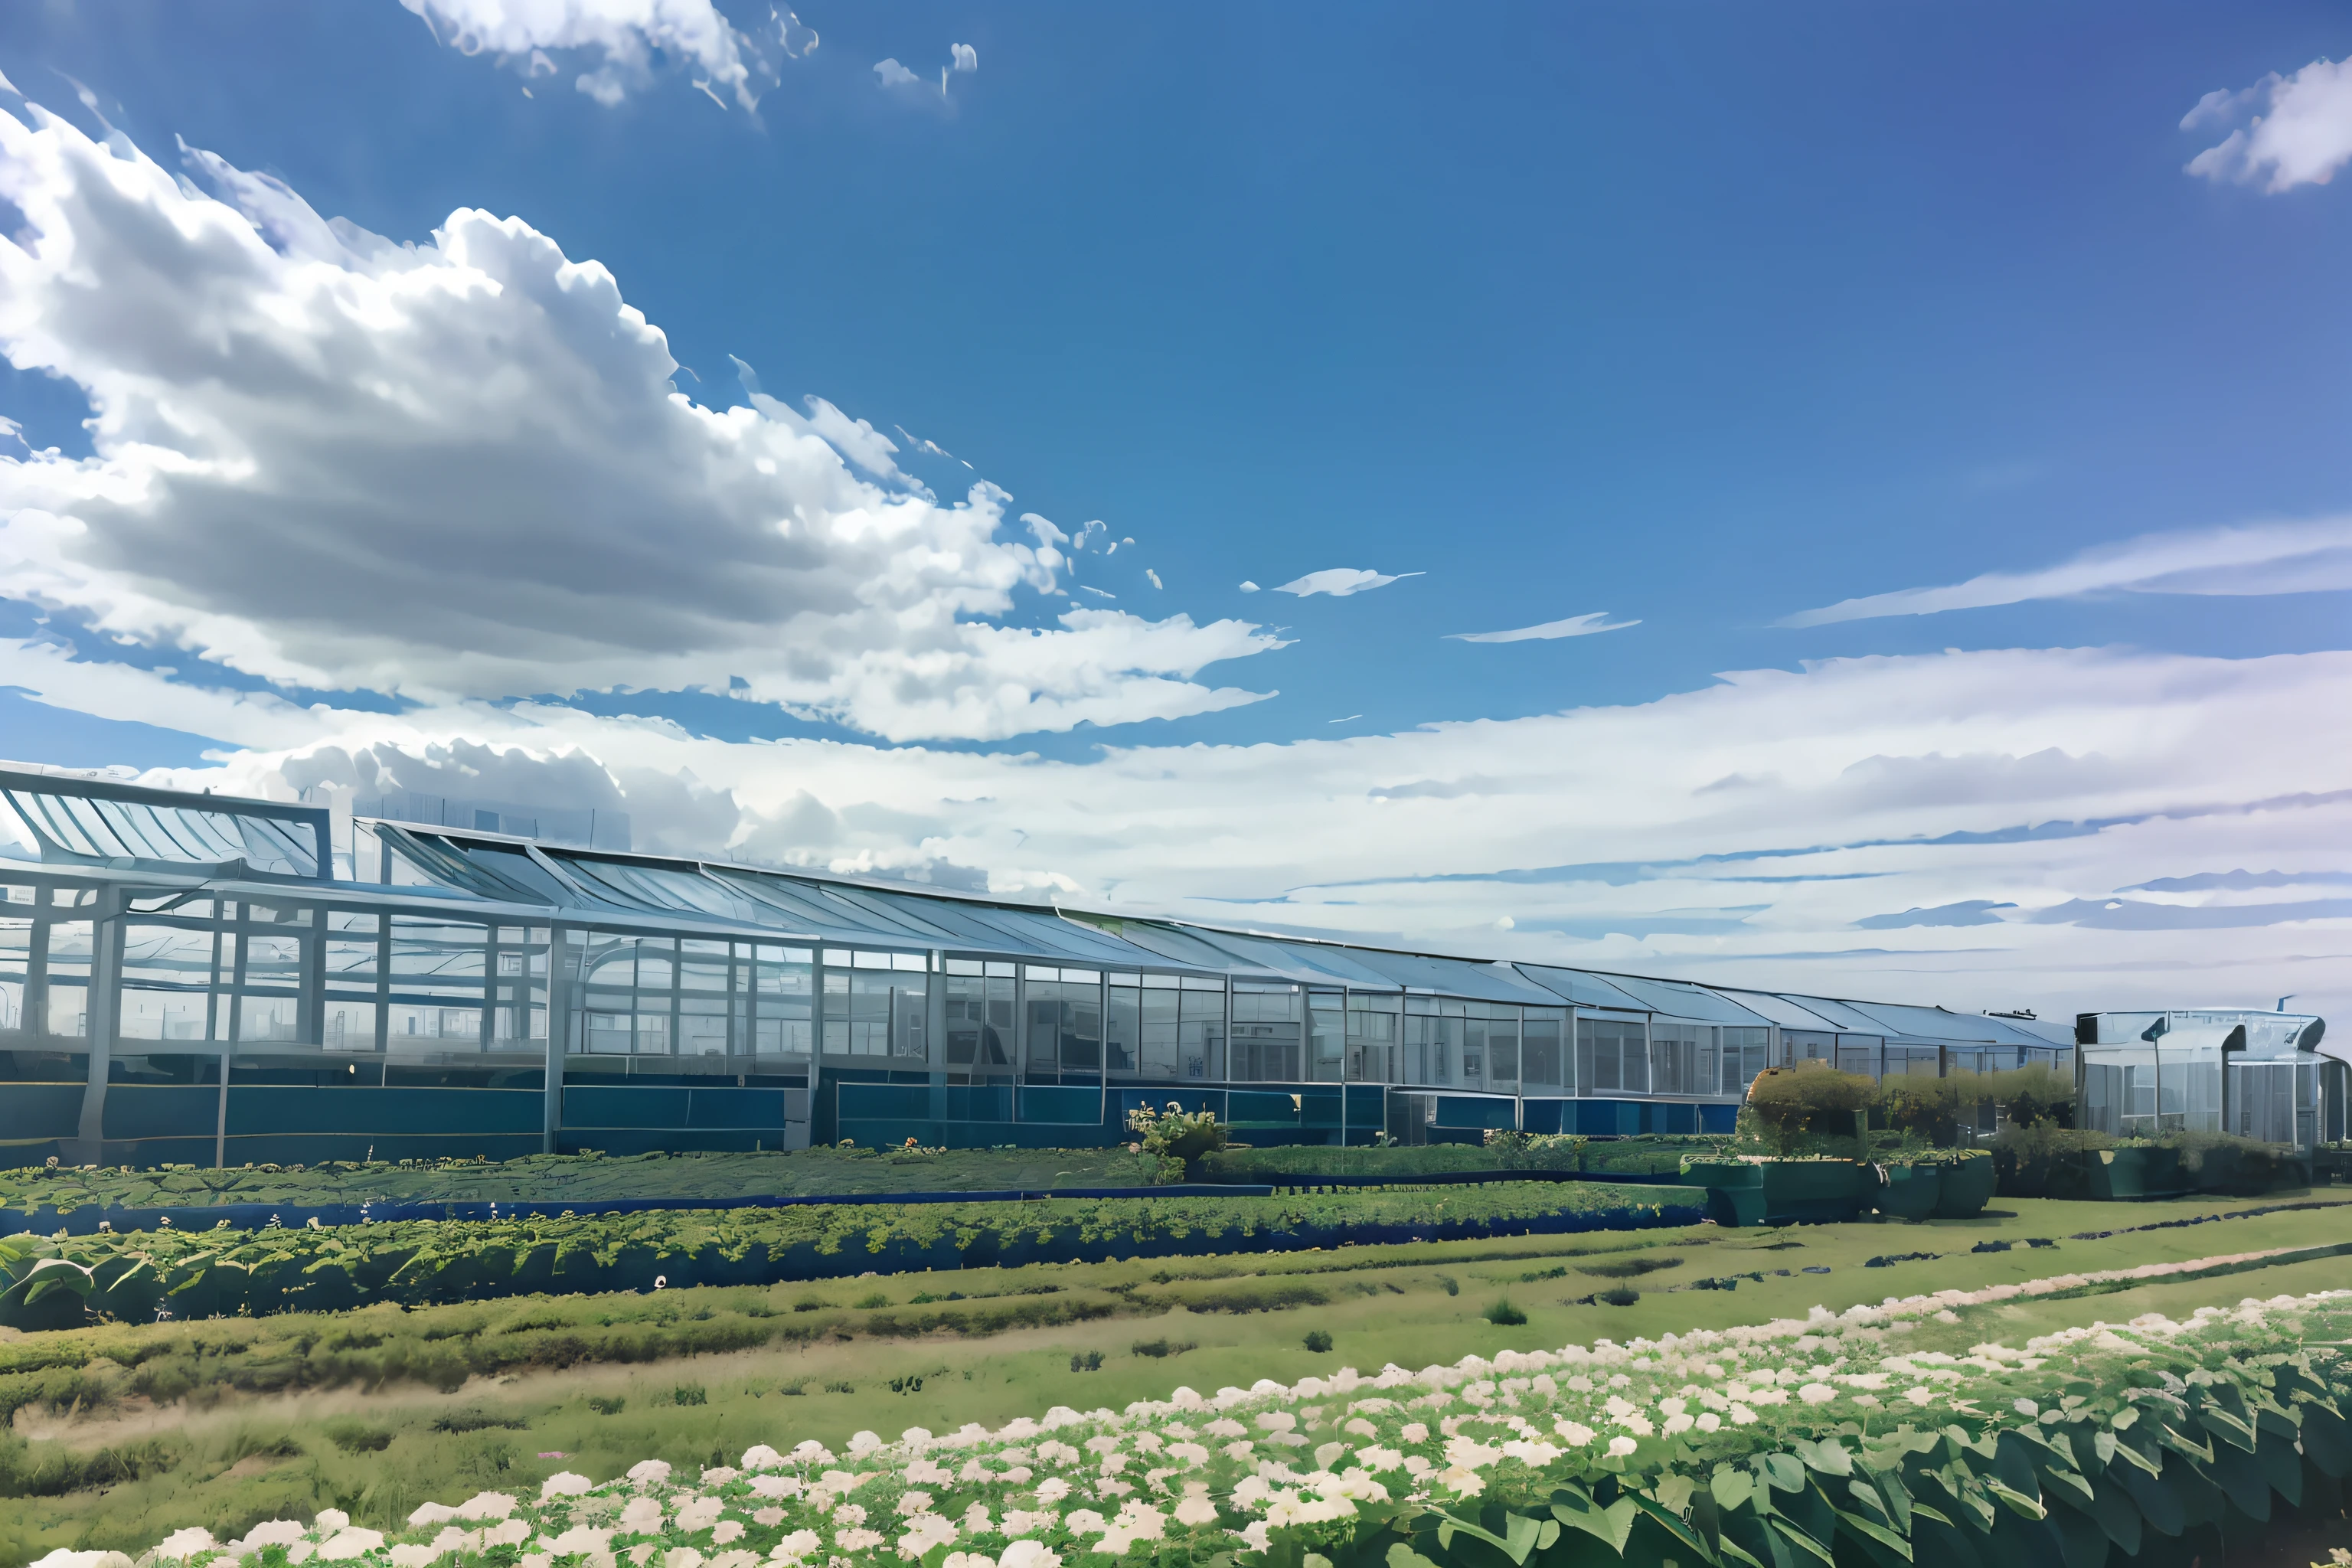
2025	1154
1930	1108
1179	1135
1622	1296
1502	1314
1317	1340
1812	1100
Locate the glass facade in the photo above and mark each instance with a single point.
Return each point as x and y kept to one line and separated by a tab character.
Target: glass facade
450	991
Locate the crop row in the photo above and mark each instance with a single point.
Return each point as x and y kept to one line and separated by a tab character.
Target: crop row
1834	1439
59	1281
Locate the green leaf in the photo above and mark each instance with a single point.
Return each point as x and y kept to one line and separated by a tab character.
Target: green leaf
1829	1457
2082	1541
1732	1487
2226	1427
1798	1541
1871	1531
1784	1472
1675	1525
1403	1556
2024	1506
1612	1525
2242	1479
2118	1515
2158	1504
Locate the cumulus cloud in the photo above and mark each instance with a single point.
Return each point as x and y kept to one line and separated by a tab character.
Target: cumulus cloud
1341	581
2256	559
892	74
2296	129
457	468
963	57
619	40
1949	787
1574	626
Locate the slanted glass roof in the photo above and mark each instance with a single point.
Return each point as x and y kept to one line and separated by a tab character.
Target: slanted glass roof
1781	1010
95	821
1680	999
1584	988
1936	1024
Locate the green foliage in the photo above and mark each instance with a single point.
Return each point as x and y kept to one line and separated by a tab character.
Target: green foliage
1176	1133
1811	1100
1317	1340
1502	1312
48	1282
581	1178
1503	1150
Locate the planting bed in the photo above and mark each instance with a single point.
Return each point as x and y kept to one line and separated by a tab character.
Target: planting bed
127	1433
55	1282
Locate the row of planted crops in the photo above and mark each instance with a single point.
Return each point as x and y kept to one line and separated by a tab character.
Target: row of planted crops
1842	1438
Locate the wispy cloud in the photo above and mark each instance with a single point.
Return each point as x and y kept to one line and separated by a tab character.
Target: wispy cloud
1574	626
1341	581
2297	129
622	39
2261	558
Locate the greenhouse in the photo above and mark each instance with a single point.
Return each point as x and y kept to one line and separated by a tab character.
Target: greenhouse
196	979
2255	1075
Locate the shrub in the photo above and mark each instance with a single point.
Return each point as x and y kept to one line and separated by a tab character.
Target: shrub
1317	1340
356	1438
1450	1285
1156	1349
1811	1100
869	1303
1620	1296
1087	1361
1179	1135
1929	1107
689	1393
1502	1314
613	1406
2029	1096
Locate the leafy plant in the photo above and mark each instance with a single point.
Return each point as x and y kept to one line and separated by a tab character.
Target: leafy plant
1501	1312
1317	1341
689	1393
1810	1099
1176	1133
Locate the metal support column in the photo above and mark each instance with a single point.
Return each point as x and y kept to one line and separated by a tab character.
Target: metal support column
559	1033
105	987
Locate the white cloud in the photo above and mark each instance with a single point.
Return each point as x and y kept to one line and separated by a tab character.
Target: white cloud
965	58
893	74
1341	581
2255	559
457	468
620	38
2029	785
2300	133
1156	583
1574	626
1248	586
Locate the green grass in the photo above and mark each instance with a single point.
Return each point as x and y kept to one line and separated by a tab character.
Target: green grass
123	1433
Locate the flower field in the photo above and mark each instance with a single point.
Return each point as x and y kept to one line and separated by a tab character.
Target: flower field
124	1432
1830	1436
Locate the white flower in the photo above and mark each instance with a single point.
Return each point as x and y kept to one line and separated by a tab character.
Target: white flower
1377	1459
1460	1482
1191	1454
643	1516
925	1531
1923	1394
486	1505
775	1486
1415	1432
274	1533
1359	1427
409	1554
1053	1490
1709	1421
511	1532
681	1557
1677	1424
330	1519
1196	1510
1028	1522
1575	1432
767	1518
720	1475
649	1473
760	1457
794	1547
581	1540
1621	1446
1029	1554
63	1558
1817	1393
563	1483
848	1513
186	1543
1742	1416
1256	1536
348	1543
696	1514
729	1531
857	1539
1086	1521
861	1443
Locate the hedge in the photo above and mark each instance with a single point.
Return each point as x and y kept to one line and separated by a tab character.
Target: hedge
56	1282
1834	1441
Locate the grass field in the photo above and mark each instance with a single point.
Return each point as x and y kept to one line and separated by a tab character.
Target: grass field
121	1434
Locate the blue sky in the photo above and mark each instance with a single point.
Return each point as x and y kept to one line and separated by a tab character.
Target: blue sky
1702	317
